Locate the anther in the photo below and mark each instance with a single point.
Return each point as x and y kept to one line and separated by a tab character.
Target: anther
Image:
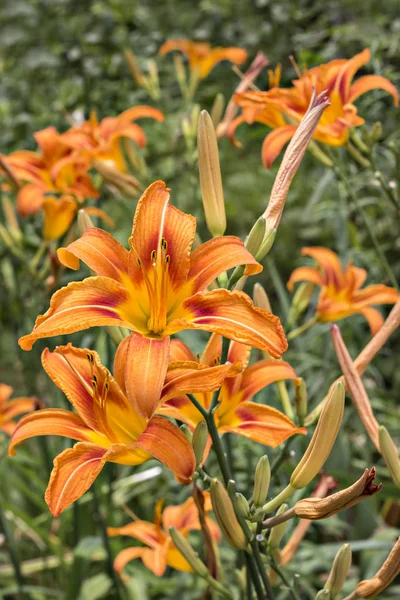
153	257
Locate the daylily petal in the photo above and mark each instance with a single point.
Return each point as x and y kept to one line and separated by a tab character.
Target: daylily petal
140	112
262	424
373	82
5	393
125	556
100	251
305	274
53	421
233	315
181	409
375	294
329	263
355	277
347	72
58	216
18	406
155	219
74	471
196	378
156	559
30	199
166	442
80	305
177	561
101	214
216	256
274	142
179	351
262	373
145	532
141	365
212	352
374	318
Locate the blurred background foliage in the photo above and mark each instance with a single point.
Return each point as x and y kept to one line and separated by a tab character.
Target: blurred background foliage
62	56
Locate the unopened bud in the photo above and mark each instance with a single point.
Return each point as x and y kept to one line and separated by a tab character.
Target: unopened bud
322	508
199	441
370	588
226	517
267	244
262	479
217	109
323	595
180	72
11	220
322	440
210	176
84	221
278	531
340	568
241	505
376	131
300	399
136	73
300	302
184	547
390	454
187	432
260	297
255	238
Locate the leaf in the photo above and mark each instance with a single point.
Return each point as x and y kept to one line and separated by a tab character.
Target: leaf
95	587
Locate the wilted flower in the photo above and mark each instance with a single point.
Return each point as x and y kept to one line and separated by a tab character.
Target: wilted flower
340	294
160	551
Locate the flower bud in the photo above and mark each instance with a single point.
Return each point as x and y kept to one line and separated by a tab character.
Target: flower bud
278	531
199	441
187	432
322	440
136	73
217	109
267	244
262	479
241	505
226	517
184	547
300	399
260	297
256	237
338	574
124	182
376	131
369	588
84	221
300	302
322	508
323	595
390	454
210	176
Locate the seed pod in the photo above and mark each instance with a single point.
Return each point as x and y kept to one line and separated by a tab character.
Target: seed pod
390	454
262	479
199	441
340	568
210	176
322	440
184	547
225	515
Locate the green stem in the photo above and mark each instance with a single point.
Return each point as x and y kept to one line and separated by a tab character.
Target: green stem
262	569
251	567
285	580
279	499
305	327
278	519
285	400
219	449
282	456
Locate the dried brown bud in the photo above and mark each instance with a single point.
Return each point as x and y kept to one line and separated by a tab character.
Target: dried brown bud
322	508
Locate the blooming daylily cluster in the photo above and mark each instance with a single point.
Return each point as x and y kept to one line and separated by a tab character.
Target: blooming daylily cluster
281	109
56	178
159	551
341	294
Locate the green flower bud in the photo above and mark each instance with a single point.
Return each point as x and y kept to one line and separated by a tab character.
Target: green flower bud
262	479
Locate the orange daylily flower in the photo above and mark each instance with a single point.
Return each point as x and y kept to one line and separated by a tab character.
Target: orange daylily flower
341	294
235	412
202	57
13	408
336	77
114	419
158	287
160	551
101	140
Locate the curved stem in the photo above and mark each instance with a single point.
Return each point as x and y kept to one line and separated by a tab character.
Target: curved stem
279	499
305	327
285	580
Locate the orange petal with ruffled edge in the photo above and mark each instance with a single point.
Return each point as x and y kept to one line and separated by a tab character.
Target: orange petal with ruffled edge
373	82
74	471
216	256
58	216
53	421
274	142
262	424
140	367
329	263
233	315
166	442
263	373
305	274
155	219
100	251
93	302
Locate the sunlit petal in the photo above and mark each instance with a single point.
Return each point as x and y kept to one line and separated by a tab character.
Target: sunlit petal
274	143
263	373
